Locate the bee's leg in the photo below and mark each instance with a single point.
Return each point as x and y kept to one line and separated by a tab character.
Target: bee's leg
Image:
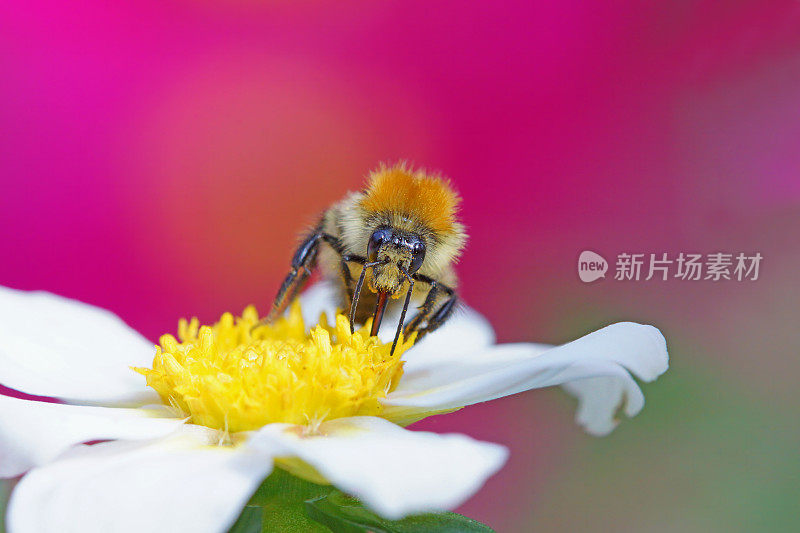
425	311
432	316
439	317
303	263
347	276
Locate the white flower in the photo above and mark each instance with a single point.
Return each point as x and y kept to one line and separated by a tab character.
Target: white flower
159	473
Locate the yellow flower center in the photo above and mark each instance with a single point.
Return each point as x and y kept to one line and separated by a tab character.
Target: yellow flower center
238	376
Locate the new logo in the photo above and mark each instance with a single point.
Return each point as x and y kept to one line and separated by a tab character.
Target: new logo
591	266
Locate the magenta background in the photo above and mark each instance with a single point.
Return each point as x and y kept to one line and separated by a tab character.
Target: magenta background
159	159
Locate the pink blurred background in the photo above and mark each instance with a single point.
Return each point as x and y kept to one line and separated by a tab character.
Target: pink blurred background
158	159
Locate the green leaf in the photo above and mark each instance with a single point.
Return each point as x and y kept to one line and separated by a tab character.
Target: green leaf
343	514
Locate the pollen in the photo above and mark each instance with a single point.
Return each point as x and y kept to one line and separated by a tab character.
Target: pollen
237	375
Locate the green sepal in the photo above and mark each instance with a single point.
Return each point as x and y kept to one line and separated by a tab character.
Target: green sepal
281	500
285	503
343	514
249	521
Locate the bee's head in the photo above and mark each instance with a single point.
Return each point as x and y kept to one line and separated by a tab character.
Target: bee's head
406	218
397	250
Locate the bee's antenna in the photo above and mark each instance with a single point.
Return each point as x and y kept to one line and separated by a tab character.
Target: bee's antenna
405	308
357	292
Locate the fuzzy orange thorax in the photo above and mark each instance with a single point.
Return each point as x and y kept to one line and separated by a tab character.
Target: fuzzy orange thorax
428	198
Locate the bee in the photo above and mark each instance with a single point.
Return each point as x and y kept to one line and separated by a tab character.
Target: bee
400	235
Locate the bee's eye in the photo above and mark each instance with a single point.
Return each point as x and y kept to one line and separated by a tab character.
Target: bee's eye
417	256
378	238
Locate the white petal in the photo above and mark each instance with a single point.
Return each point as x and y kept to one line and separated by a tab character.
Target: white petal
596	367
598	400
394	471
179	484
34	433
320	297
53	346
466	331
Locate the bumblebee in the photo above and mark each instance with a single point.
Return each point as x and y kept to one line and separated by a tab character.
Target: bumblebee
398	236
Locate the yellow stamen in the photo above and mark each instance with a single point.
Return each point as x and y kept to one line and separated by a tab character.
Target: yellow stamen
233	377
